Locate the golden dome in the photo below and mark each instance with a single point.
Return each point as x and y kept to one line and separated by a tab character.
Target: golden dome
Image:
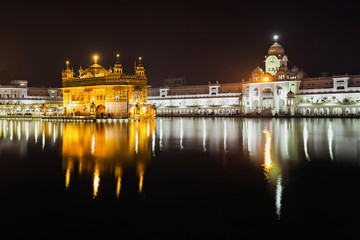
276	49
95	70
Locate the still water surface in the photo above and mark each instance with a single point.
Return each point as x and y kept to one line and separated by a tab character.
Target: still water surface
181	178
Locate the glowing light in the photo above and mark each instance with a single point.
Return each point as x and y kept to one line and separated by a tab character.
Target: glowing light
181	134
96	182
141	177
96	57
153	142
266	79
204	135
267	154
278	197
93	144
330	139
43	140
117	55
306	135
67	177
276	37
161	135
118	174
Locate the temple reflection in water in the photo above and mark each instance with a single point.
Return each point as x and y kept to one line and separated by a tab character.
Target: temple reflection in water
104	149
94	152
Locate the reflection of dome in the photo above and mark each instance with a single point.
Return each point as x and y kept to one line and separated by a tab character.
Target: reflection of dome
290	94
276	49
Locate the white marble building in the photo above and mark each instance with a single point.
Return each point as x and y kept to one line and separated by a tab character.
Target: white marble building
279	89
18	98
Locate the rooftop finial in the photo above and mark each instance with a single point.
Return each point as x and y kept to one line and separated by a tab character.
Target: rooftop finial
67	64
140	59
276	37
117	57
95	58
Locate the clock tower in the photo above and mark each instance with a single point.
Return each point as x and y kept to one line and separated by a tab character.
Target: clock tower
275	58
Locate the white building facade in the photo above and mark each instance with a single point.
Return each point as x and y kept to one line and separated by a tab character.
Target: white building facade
279	89
17	98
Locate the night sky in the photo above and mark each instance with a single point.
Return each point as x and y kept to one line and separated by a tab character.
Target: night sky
202	41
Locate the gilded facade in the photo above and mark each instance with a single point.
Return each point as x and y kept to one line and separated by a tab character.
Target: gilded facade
106	93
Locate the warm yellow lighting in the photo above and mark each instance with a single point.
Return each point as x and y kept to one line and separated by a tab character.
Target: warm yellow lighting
140	58
141	177
96	57
118	174
67	178
117	55
267	154
266	79
67	63
96	182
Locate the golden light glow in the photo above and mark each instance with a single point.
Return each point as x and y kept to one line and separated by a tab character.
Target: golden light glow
140	58
67	178
118	175
267	154
67	62
266	79
96	57
96	182
141	176
117	55
106	150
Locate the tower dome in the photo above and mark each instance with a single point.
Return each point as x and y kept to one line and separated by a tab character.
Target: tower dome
276	49
258	70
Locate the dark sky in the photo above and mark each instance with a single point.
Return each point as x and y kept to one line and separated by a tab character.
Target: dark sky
201	40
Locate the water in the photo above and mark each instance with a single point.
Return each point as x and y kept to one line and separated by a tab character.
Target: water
181	178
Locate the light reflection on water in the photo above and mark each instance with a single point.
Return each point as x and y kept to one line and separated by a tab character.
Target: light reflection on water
104	149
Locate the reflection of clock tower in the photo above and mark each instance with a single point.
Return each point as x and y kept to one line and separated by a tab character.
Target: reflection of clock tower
275	58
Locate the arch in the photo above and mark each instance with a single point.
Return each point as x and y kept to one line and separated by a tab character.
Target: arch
337	111
100	111
327	111
347	111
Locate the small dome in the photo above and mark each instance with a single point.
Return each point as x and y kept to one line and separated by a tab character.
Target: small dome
283	68
290	94
300	75
258	70
294	69
276	49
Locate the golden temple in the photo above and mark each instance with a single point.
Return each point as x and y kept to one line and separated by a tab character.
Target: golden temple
103	93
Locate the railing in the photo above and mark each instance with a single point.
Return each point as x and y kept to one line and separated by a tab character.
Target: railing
106	80
194	96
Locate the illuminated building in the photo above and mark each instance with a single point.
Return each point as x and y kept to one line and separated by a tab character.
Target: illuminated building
106	93
276	89
212	99
17	98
